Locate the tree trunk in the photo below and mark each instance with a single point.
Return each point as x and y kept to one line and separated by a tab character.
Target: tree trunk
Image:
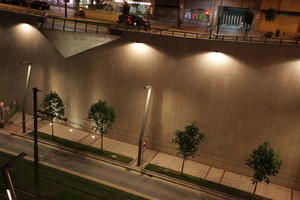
76	8
52	127
255	187
101	142
182	166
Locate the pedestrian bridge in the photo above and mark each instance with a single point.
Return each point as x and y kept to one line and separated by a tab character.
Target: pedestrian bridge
71	36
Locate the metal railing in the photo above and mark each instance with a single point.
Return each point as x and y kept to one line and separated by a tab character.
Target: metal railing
83	25
77	25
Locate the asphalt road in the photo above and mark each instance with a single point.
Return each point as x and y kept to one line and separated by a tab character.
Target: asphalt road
115	175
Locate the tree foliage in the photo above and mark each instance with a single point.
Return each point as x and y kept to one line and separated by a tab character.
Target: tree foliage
53	107
265	162
188	141
103	116
270	15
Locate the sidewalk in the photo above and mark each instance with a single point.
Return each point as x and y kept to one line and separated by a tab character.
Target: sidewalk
193	168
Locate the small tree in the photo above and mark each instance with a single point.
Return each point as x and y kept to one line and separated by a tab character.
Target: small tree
265	162
270	15
103	116
188	142
53	108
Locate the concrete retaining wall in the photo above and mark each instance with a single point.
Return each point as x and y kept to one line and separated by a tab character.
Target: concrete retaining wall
240	95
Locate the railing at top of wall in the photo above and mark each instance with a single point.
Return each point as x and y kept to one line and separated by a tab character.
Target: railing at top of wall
57	23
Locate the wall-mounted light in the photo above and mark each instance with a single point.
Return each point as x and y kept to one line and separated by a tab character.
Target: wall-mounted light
25	27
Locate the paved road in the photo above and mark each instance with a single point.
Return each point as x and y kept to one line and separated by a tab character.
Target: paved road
119	176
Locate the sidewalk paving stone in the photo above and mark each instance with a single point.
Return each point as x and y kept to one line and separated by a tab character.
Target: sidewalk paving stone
195	169
64	132
91	139
117	147
12	128
215	174
273	191
168	161
296	195
238	181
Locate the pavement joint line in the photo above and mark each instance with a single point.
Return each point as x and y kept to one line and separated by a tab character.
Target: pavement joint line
84	137
95	140
208	171
222	176
146	172
151	158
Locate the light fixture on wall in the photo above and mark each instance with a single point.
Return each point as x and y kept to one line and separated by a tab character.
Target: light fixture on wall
26	27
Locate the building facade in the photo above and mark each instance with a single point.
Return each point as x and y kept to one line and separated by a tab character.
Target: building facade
231	12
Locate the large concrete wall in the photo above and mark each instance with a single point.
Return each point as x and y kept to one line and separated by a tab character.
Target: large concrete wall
22	42
240	96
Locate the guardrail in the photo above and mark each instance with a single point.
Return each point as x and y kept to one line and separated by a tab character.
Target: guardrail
58	23
76	25
82	25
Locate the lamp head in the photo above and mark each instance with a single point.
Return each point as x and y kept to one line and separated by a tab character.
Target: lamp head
25	63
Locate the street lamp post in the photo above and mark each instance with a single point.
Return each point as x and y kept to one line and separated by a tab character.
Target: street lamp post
149	89
25	95
35	132
10	191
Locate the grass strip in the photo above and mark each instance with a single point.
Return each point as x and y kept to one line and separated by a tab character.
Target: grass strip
58	185
84	148
204	183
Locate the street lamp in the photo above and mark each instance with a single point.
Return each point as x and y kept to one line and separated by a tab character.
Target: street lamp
10	191
25	94
149	89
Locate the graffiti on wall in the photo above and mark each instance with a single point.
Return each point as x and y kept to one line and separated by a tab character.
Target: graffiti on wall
197	15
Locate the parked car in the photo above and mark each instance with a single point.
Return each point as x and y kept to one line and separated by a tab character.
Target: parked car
133	20
40	5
